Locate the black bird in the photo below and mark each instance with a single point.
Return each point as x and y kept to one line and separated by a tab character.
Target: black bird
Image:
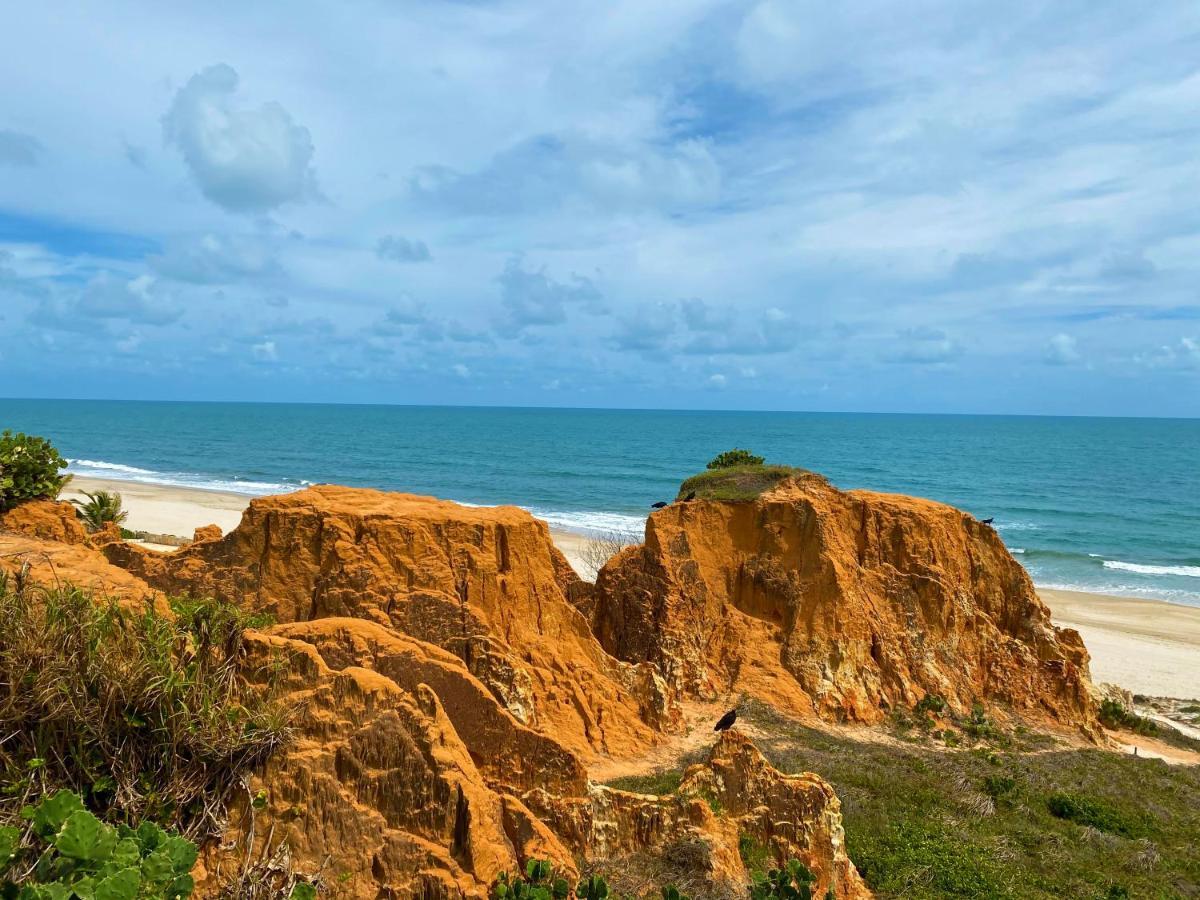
988	521
691	496
726	721
661	504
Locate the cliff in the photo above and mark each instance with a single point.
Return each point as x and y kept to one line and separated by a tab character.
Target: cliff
449	701
843	604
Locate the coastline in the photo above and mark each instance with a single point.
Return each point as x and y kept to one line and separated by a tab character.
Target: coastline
1147	646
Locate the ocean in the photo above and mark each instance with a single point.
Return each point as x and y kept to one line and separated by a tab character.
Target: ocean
1102	505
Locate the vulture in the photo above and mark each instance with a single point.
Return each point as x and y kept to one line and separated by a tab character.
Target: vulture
726	721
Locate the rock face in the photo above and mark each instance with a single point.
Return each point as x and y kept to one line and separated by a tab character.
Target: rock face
485	584
49	520
446	699
842	604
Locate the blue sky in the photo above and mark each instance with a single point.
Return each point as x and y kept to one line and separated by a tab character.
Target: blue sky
959	207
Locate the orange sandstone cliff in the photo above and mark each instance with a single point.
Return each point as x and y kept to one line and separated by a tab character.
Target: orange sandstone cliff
453	681
450	700
843	604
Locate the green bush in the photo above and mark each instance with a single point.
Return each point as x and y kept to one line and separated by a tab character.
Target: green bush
101	508
540	883
145	715
29	469
66	852
794	882
1113	714
1093	813
733	458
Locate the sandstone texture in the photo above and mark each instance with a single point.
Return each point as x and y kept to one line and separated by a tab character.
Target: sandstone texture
449	699
49	520
842	604
452	681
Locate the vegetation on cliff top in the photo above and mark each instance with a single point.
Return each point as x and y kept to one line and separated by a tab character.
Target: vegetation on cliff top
145	715
736	475
29	469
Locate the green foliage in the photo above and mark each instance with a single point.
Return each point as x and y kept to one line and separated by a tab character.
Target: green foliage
931	703
594	887
754	855
540	883
101	508
1113	714
67	852
29	469
659	783
922	822
793	882
670	892
733	458
1092	812
143	715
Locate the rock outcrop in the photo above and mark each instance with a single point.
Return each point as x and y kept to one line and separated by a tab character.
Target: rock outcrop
446	700
842	604
49	520
486	584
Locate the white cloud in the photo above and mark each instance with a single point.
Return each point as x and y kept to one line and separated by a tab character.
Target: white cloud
1062	350
265	351
216	259
140	299
245	160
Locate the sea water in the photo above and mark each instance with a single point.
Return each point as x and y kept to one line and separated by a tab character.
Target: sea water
1104	505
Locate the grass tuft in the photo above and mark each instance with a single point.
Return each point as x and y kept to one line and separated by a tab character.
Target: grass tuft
144	715
737	482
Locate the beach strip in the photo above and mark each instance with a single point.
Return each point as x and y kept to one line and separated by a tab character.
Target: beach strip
1146	646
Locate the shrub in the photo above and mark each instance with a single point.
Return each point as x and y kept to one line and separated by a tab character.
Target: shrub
600	548
1113	714
144	715
67	852
733	458
29	469
1087	811
101	508
792	881
540	883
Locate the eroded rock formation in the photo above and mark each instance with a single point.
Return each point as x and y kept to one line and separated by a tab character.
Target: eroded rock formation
840	603
447	698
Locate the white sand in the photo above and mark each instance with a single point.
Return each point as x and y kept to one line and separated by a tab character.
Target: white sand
1146	646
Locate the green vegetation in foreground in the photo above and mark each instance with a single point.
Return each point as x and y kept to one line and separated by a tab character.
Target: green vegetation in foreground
1004	814
998	821
144	715
65	851
29	469
540	882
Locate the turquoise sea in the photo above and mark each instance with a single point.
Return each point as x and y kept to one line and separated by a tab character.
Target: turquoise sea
1105	505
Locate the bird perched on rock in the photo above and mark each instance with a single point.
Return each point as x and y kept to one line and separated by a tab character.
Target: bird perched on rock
988	521
691	496
661	504
726	721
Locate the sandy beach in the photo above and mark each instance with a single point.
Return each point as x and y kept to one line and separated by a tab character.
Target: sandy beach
1146	646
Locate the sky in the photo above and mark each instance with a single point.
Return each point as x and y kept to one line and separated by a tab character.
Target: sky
769	204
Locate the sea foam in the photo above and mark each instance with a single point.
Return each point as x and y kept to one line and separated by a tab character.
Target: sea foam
1139	568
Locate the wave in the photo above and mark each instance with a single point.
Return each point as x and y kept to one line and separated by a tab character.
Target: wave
1139	568
591	522
1018	526
235	484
